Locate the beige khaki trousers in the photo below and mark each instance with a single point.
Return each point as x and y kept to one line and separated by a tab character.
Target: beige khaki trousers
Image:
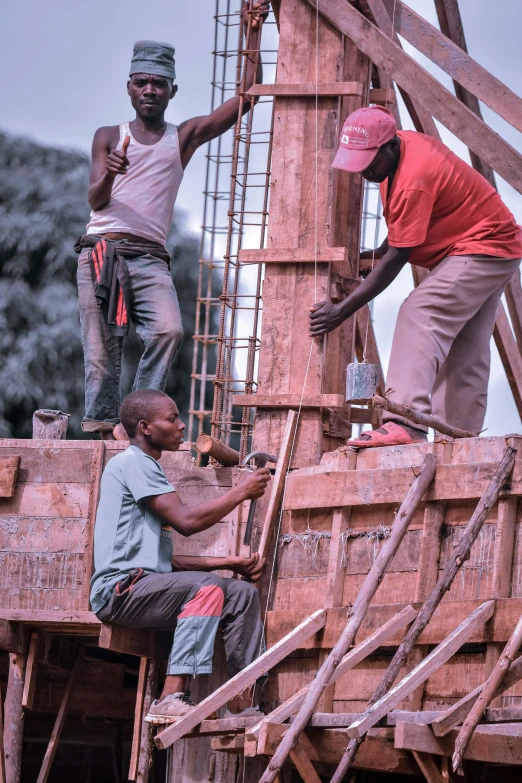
440	356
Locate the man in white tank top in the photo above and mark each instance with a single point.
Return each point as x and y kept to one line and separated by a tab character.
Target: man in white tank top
123	268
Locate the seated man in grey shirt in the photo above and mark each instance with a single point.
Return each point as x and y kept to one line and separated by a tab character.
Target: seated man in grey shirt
139	584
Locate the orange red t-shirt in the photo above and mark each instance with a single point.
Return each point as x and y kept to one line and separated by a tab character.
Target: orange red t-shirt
441	206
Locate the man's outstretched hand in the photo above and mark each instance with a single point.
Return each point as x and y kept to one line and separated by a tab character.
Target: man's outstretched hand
249	567
325	317
259	13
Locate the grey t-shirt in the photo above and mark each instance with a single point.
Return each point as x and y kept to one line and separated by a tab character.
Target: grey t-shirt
127	533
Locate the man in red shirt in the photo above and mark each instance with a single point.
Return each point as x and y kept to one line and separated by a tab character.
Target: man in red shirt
442	215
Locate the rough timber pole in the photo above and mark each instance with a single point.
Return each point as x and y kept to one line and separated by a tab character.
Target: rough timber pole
14	718
310	205
356	616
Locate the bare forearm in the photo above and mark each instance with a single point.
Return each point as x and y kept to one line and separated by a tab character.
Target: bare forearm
377	281
194	519
183	563
100	192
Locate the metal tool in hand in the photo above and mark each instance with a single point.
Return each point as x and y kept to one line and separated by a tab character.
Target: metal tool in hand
260	459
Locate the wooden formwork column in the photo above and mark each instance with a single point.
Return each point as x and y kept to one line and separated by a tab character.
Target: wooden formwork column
310	205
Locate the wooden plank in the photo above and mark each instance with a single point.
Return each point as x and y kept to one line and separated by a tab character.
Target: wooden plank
303	764
448	613
489	690
31	670
442	653
136	641
298	255
8	475
428	766
323	89
425	89
278	483
454	60
43	465
138	718
428	565
88	620
48	500
50	753
326	746
455	714
370	487
289	400
496	744
505	530
351	659
242	680
335	569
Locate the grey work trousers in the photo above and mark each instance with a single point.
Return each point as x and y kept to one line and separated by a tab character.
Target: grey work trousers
155	311
193	604
440	356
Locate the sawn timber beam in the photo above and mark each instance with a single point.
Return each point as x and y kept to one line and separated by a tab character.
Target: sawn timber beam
289	401
447	615
496	744
370	487
425	89
454	60
325	90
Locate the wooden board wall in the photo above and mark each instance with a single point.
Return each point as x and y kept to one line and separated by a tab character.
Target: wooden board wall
302	575
46	528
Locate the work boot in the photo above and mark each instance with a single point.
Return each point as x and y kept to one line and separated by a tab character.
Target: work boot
169	709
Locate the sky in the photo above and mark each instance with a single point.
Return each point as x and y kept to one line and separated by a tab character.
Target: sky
65	67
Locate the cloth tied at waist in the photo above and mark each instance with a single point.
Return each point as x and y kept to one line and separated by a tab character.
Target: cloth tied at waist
108	258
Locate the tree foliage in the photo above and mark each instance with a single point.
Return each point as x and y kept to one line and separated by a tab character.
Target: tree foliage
43	208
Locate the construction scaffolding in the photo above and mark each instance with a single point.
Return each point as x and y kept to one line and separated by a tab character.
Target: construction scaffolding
236	196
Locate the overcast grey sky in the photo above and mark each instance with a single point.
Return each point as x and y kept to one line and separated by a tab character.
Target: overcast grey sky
65	66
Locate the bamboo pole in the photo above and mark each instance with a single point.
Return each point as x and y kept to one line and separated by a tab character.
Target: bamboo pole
460	554
420	418
489	690
356	616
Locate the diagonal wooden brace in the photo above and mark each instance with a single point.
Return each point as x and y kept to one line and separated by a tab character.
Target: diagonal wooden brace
351	659
369	587
460	555
242	680
494	681
442	653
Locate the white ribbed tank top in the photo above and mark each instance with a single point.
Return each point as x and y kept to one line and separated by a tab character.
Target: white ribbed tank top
142	201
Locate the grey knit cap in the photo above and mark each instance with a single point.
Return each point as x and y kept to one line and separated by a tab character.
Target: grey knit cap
153	57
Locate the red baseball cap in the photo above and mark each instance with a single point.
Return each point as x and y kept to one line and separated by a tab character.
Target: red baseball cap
364	131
